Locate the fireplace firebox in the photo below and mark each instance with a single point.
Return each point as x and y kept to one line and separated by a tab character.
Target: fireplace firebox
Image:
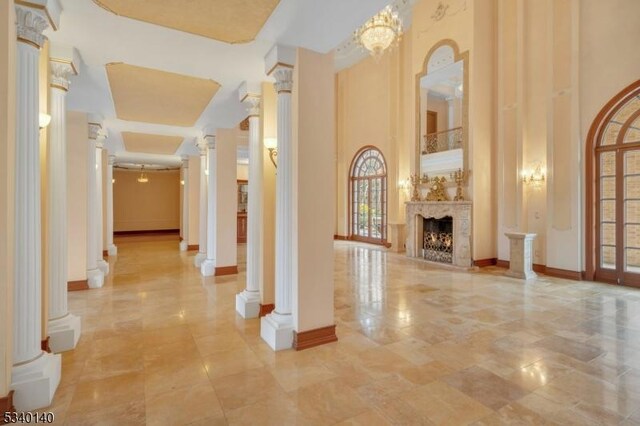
438	239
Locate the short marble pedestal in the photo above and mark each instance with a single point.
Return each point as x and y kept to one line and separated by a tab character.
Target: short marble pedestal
521	260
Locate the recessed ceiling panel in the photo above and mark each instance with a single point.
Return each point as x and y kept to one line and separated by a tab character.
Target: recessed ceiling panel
160	97
151	144
231	21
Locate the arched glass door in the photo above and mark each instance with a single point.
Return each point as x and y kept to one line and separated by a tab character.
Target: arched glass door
368	197
617	192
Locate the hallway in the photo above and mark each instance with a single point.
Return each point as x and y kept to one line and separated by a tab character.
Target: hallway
163	345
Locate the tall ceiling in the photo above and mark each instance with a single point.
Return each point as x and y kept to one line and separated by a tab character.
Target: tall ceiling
173	67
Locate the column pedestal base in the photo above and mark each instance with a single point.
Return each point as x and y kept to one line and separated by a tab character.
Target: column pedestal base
95	278
64	333
248	304
208	268
104	267
277	331
113	250
35	382
200	257
183	245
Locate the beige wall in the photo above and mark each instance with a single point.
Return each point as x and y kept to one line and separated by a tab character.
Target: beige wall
367	104
77	146
268	129
194	200
313	118
226	198
242	172
7	187
154	205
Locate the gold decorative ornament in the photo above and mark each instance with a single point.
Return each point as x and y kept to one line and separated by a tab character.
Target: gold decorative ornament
437	191
459	178
415	183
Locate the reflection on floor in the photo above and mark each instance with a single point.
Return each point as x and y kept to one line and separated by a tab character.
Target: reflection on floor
161	345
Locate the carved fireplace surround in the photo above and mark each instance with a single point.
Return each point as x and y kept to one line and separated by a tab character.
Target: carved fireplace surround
460	211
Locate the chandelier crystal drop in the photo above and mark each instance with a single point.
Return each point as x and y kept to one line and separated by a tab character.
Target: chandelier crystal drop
380	32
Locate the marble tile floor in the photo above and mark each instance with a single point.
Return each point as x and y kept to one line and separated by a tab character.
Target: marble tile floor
162	345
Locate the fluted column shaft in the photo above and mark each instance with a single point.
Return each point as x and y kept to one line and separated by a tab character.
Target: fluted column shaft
57	199
208	267
95	276
27	309
285	228
248	301
202	236
184	244
111	247
102	264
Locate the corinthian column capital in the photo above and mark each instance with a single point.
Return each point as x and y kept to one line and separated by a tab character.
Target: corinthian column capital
253	105
30	25
60	73
284	79
210	141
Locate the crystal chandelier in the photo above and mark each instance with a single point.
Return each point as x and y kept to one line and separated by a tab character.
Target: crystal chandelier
380	32
143	176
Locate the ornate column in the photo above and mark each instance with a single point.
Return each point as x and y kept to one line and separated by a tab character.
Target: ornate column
208	267
111	247
248	301
202	235
95	276
277	327
184	244
35	374
64	328
102	264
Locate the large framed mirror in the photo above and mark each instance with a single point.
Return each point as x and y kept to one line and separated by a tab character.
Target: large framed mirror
442	105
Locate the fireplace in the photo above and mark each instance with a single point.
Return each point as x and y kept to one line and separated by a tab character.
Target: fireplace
437	239
439	232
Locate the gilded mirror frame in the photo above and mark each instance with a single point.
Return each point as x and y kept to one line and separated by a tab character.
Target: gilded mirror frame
457	56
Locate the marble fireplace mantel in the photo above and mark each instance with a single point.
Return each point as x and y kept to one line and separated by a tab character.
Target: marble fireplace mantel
460	211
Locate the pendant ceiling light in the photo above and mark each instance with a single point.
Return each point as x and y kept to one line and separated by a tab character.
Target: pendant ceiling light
143	176
380	32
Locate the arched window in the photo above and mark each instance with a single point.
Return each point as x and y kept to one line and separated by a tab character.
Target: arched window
368	197
613	191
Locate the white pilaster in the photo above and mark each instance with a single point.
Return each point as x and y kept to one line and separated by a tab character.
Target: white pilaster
103	265
202	235
248	301
111	247
184	244
208	267
95	276
277	327
64	328
35	374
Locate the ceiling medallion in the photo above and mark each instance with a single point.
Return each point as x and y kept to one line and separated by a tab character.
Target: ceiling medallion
380	32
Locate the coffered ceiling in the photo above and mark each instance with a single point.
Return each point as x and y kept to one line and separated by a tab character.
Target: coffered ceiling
160	97
237	21
151	144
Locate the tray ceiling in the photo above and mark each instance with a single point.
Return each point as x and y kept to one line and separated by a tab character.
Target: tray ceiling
151	144
160	97
236	21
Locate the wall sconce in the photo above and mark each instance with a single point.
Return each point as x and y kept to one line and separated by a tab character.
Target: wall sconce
182	182
272	145
44	120
404	185
536	178
113	181
143	176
